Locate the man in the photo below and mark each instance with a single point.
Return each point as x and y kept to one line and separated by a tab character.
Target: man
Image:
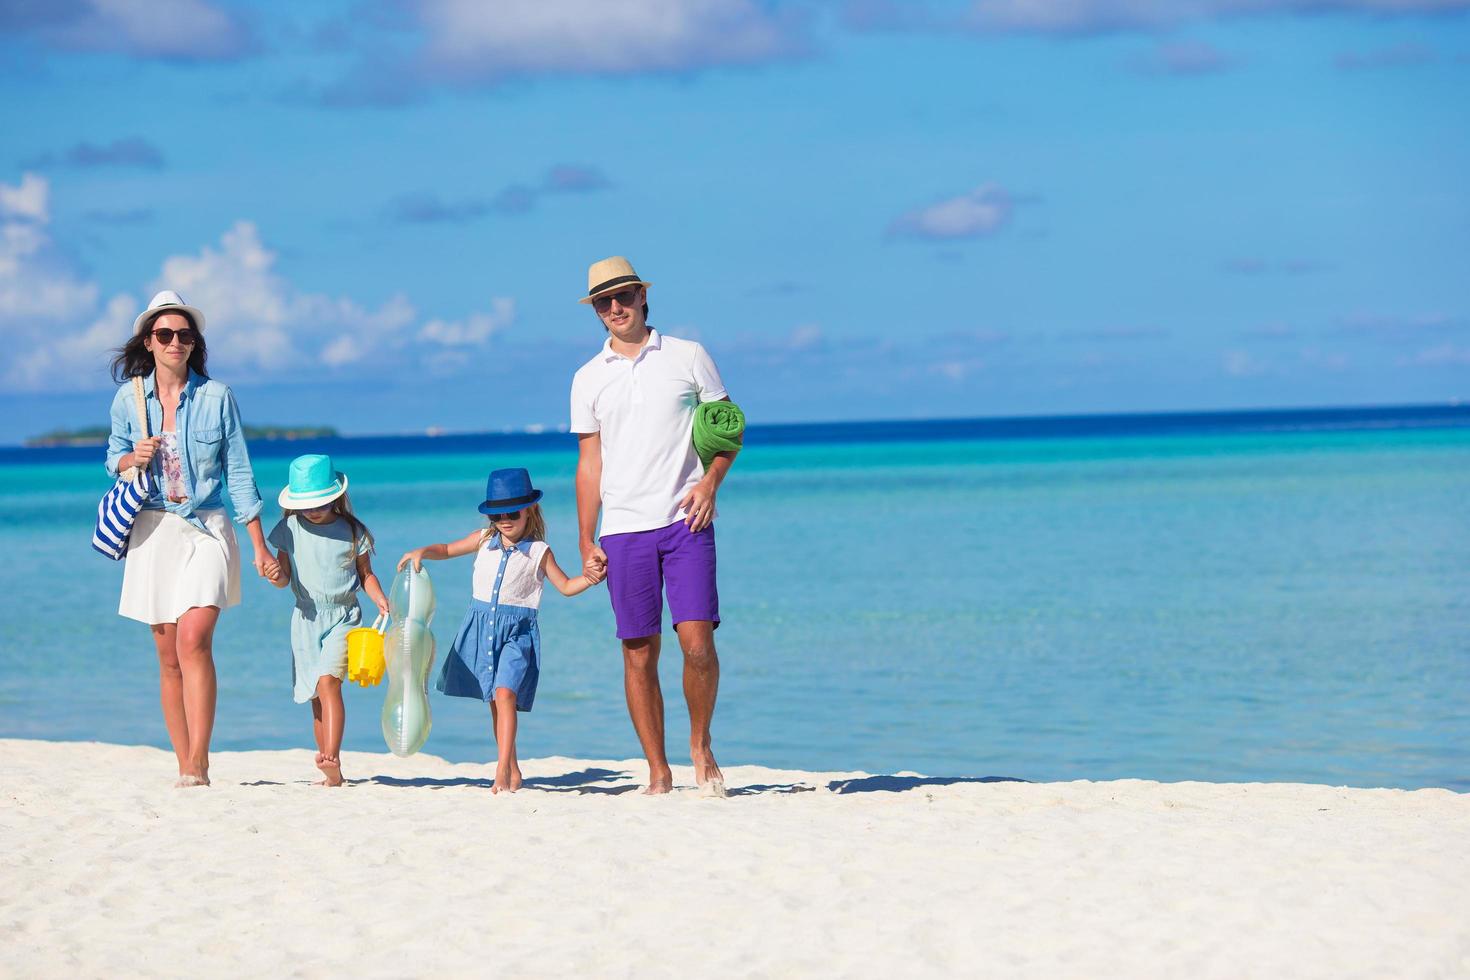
633	412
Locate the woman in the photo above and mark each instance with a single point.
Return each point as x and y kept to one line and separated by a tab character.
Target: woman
183	565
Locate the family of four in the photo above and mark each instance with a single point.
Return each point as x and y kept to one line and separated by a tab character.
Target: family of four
645	516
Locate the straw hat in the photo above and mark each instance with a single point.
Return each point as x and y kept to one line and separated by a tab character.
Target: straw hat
610	275
163	302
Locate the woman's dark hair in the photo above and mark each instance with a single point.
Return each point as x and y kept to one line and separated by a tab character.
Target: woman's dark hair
134	360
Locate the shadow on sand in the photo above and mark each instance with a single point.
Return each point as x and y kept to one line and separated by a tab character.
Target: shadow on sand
898	784
584	782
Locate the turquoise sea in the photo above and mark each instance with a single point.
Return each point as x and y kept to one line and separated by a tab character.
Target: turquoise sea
1279	596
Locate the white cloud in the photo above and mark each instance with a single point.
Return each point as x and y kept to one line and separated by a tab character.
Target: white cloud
1099	16
35	283
474	329
958	370
473	39
983	211
1244	364
28	199
259	320
1187	57
1443	355
1091	16
259	323
185	30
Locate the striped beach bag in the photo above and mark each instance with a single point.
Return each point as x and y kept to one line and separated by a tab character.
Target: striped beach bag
120	505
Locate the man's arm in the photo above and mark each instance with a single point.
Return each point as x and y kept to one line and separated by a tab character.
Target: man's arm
589	503
700	502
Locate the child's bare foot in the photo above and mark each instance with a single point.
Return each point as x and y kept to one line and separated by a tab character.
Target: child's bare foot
188	781
331	768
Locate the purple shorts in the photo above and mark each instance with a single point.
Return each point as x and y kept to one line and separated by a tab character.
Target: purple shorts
641	563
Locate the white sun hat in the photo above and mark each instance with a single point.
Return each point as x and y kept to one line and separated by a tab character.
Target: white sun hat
164	301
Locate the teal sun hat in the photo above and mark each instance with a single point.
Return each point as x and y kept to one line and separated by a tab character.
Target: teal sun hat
312	482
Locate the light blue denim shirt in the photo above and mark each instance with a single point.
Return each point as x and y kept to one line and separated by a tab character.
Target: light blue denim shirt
211	441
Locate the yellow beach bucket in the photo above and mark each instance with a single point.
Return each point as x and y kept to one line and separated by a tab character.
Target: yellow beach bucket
365	663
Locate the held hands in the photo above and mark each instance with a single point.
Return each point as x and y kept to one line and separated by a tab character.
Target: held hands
700	503
594	564
268	568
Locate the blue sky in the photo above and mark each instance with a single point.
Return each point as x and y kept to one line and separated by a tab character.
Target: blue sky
868	209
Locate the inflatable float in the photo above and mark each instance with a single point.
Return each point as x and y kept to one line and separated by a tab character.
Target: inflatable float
408	653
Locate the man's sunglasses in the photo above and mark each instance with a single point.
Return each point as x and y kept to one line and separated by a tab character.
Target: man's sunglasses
624	297
166	336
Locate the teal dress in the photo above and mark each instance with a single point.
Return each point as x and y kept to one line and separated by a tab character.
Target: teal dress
325	583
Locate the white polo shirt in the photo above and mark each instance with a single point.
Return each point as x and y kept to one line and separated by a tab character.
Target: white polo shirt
644	409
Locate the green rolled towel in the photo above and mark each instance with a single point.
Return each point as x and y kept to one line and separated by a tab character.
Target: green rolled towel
717	429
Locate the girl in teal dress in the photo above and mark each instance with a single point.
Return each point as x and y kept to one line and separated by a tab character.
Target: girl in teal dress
324	556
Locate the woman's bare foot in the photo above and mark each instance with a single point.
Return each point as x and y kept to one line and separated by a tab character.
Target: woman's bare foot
507	779
331	769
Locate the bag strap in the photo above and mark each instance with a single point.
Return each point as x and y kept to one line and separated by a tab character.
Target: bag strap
140	403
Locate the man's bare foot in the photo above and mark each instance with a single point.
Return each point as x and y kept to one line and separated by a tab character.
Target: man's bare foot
331	768
707	774
659	782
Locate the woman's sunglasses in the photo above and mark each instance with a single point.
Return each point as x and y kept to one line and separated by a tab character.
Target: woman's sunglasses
166	336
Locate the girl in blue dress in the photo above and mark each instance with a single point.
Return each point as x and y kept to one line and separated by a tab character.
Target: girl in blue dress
496	656
324	556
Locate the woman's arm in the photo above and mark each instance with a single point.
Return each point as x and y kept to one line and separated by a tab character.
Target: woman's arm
370	583
265	565
122	452
239	477
438	552
558	578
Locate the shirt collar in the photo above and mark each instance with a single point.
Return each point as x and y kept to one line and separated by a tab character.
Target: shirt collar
655	342
150	383
523	545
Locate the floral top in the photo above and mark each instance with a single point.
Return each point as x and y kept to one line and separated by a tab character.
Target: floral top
172	464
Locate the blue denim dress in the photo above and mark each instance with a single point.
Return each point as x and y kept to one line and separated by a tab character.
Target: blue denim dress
499	641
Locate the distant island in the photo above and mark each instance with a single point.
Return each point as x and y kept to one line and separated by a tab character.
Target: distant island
96	435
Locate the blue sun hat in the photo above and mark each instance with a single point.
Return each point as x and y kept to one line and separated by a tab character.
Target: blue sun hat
312	482
509	491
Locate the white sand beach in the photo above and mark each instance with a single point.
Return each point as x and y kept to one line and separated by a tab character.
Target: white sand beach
416	869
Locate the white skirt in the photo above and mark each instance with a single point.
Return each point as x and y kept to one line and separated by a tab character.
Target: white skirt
172	566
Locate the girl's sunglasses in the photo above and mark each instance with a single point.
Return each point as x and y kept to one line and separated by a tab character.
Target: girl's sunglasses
505	517
166	336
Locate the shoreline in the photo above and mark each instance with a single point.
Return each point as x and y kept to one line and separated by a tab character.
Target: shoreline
415	867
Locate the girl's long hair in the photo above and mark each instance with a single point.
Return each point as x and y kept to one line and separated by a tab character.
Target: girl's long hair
342	507
134	360
535	526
